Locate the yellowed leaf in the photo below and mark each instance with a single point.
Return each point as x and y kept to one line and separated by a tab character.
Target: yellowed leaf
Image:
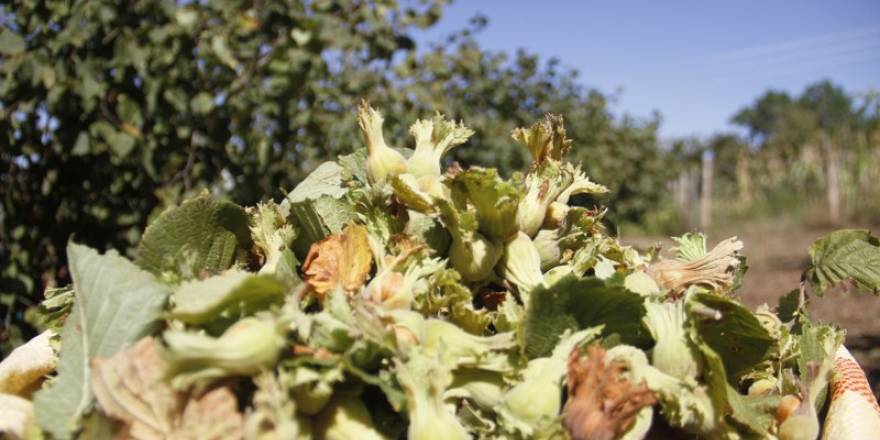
340	260
129	387
24	369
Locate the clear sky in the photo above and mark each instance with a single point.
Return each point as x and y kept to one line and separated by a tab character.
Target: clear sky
697	62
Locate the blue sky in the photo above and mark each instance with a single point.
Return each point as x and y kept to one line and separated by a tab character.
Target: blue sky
695	62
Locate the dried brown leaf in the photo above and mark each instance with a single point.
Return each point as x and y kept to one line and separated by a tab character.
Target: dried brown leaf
340	260
213	416
129	387
602	404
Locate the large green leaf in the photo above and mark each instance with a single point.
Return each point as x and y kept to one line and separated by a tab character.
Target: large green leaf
736	335
848	254
202	234
116	303
326	180
317	206
576	303
752	412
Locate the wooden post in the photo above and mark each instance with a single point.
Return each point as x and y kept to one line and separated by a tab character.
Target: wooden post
744	177
706	191
833	183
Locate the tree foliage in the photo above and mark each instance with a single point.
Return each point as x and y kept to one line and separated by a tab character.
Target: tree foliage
112	112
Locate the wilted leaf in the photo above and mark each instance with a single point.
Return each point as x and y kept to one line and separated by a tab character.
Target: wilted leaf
340	260
130	388
848	254
116	303
213	416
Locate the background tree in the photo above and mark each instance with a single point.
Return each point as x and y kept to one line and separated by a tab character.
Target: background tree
111	111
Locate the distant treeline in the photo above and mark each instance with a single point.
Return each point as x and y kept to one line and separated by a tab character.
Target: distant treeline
814	154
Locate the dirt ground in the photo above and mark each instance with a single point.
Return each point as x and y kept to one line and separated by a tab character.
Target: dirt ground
776	257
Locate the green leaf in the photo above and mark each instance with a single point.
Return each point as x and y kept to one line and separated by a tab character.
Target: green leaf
355	164
326	180
202	103
789	306
574	303
740	274
81	147
221	49
753	412
55	309
737	336
316	206
641	283
116	303
10	42
121	144
818	346
690	246
202	234
848	254
129	111
200	301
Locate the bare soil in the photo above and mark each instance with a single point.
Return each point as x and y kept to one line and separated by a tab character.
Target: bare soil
776	257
